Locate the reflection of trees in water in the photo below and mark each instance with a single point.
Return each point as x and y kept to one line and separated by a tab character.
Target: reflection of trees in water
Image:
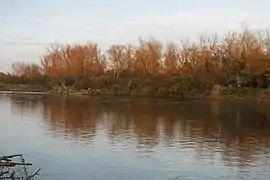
246	131
26	102
235	130
77	117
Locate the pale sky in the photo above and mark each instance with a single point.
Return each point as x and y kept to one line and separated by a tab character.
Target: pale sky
28	27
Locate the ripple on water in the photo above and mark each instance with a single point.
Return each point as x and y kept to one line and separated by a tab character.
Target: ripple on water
137	139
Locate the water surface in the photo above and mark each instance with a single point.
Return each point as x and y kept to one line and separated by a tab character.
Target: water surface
120	139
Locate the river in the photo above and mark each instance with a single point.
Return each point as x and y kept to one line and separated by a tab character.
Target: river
131	139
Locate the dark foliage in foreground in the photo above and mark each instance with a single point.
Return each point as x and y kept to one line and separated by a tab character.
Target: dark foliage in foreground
14	167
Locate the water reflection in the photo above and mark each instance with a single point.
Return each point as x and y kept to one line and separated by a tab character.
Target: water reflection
238	133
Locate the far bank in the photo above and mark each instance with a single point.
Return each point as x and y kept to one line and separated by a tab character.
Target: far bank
217	92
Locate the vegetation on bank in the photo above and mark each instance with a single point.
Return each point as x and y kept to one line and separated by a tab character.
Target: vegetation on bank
234	62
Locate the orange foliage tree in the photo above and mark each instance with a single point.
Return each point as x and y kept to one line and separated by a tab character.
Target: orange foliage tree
27	70
73	61
209	61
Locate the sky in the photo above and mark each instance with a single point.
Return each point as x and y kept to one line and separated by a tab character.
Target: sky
27	28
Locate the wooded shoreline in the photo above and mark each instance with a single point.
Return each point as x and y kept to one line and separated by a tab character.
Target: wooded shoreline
236	66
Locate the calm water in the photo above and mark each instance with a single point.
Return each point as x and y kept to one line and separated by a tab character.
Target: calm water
120	139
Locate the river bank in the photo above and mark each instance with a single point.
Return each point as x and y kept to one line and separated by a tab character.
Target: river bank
215	93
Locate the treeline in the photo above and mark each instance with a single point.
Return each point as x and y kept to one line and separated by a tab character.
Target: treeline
237	59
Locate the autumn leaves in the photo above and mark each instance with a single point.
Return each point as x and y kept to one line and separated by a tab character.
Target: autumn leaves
211	60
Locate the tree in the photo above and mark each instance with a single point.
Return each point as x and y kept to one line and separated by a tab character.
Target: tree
70	62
